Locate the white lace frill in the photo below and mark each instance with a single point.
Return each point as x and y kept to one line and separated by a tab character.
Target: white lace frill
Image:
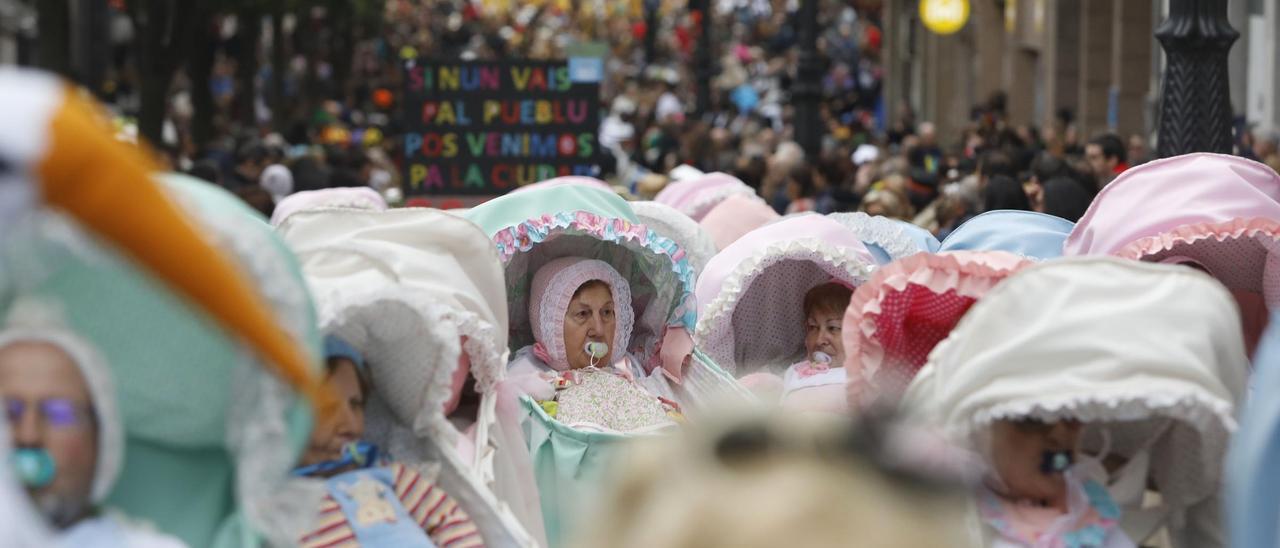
403	334
1186	460
274	503
716	333
411	343
706	201
879	231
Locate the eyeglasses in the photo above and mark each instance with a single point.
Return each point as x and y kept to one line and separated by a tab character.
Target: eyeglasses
56	412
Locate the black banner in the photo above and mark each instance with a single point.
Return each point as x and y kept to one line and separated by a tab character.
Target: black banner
485	128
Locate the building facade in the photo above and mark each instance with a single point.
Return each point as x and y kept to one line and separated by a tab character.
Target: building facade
1097	59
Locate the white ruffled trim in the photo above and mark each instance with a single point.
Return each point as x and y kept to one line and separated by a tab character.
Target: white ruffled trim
720	309
275	504
444	325
431	437
883	232
706	201
1204	414
1211	419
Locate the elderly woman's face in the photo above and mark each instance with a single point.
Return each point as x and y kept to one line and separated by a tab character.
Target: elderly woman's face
591	318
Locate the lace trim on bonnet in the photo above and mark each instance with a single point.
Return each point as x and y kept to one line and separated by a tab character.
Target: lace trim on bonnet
879	231
354	317
962	274
524	237
1266	232
715	333
700	206
552	292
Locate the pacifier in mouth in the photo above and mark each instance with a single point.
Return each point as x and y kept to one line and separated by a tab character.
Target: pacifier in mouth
820	357
35	468
597	351
1055	462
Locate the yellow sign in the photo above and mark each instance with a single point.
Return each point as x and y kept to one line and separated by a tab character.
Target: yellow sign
944	16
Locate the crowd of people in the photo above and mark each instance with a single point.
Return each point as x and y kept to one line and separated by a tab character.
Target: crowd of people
569	365
1013	336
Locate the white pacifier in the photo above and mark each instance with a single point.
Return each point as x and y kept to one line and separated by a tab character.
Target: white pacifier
820	357
597	351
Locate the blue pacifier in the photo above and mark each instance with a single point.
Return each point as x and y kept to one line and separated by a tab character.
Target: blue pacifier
35	468
360	454
1055	462
821	357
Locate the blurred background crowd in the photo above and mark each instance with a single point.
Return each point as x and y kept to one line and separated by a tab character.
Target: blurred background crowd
232	87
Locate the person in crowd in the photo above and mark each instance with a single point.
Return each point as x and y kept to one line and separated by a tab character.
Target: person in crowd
774	189
277	180
927	155
1003	192
1107	157
67	435
257	198
1137	153
1045	166
581	314
206	170
1065	197
886	202
1031	494
818	381
372	501
1082	412
251	158
992	163
801	187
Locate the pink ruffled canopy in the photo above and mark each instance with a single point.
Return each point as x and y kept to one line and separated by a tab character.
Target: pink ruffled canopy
905	309
734	217
751	295
568	180
1218	212
696	197
552	290
345	197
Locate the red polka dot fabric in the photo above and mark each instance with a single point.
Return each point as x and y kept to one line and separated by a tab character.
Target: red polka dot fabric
911	322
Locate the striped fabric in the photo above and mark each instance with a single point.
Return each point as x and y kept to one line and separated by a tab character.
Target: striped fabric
446	523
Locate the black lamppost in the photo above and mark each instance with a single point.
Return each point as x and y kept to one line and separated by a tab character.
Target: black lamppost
806	91
1195	110
651	30
702	54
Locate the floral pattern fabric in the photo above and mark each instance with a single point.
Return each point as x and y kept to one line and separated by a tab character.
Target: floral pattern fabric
607	400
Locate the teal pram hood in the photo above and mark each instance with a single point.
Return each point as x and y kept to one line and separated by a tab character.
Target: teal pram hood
532	228
590	223
210	433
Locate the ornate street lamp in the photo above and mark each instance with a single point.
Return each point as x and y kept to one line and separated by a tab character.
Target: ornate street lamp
1195	110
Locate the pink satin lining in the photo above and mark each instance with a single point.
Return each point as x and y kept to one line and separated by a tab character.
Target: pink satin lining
677	345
